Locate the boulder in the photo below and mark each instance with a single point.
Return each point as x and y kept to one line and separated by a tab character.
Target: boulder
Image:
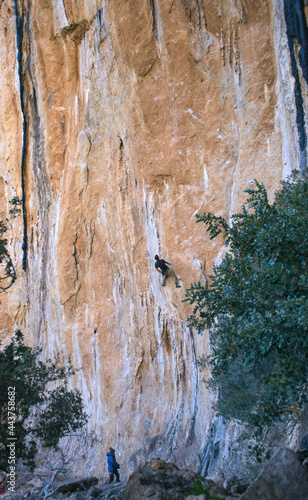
159	480
157	463
284	478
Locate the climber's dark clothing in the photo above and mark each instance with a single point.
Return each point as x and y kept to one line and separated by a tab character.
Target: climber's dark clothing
162	265
116	475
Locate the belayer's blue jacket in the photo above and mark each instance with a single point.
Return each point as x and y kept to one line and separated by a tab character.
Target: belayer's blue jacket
112	463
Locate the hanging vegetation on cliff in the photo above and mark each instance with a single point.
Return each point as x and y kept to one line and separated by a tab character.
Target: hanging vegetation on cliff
256	308
7	269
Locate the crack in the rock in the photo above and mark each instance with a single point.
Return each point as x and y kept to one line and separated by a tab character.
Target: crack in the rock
153	18
297	29
19	19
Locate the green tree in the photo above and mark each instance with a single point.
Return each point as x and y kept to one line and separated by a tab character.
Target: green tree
35	403
256	307
7	269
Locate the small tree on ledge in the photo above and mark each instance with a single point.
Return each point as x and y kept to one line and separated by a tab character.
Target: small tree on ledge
7	269
256	308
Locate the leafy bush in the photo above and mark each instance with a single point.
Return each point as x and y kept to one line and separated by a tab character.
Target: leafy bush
37	411
256	307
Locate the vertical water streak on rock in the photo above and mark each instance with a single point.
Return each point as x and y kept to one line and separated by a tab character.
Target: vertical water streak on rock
214	444
193	420
297	28
19	19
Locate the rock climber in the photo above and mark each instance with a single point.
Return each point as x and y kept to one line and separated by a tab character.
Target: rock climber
113	466
164	267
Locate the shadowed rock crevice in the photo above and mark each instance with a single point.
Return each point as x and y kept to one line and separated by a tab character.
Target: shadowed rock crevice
19	41
297	30
196	14
153	15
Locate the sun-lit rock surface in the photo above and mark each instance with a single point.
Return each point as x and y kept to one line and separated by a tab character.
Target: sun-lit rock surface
120	120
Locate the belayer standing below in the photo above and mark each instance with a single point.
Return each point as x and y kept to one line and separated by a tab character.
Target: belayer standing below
164	267
113	466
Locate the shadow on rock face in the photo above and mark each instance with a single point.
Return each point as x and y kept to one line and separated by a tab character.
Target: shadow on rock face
283	478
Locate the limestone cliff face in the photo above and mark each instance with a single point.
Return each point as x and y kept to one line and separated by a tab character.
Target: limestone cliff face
120	120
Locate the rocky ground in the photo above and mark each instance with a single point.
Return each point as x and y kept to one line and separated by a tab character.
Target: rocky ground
284	478
157	480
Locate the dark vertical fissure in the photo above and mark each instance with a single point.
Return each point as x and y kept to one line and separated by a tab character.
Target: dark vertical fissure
19	40
297	29
29	103
153	18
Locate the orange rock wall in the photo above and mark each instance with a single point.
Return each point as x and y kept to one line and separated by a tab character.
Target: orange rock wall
121	121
